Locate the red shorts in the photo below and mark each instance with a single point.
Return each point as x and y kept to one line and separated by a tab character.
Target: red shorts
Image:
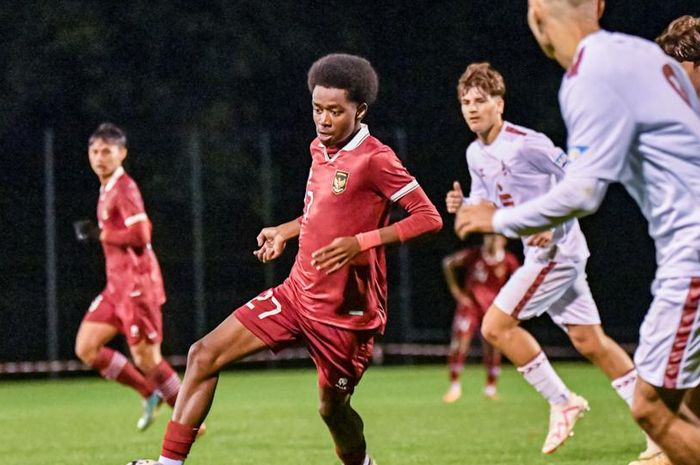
137	317
467	320
341	355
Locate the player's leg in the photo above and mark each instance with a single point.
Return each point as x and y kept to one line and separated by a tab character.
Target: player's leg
667	362
654	409
345	425
690	407
592	342
531	291
145	343
98	327
463	329
228	342
492	364
267	321
341	357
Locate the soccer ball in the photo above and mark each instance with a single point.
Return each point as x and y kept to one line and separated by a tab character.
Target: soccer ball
143	462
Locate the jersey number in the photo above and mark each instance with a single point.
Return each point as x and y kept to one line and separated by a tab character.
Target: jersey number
672	79
266	297
307	203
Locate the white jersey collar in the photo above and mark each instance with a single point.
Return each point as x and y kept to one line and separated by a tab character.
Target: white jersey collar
113	179
355	142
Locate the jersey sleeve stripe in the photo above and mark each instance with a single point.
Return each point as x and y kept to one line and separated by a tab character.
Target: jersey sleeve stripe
135	219
404	190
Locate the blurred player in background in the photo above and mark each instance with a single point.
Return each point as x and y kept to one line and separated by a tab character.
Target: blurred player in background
485	269
334	301
681	40
510	165
131	302
631	115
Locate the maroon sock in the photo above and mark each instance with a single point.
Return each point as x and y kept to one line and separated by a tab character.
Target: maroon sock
166	380
115	366
356	457
178	440
456	363
492	361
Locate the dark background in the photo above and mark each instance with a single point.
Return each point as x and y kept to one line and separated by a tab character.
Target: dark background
229	72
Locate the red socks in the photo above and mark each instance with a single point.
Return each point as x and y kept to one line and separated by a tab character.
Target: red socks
114	365
178	440
166	381
456	364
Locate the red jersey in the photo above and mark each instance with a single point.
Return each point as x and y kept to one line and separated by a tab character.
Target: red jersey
484	276
129	270
347	192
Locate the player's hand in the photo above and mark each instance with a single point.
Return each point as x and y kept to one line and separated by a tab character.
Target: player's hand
336	254
271	243
86	231
541	239
476	218
454	198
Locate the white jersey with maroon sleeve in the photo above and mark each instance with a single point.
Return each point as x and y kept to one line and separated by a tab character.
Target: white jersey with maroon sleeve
631	113
347	192
519	165
632	117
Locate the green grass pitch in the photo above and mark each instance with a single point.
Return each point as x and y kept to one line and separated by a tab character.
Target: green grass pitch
270	417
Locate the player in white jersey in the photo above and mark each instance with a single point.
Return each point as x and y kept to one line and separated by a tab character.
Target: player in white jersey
509	165
630	112
681	40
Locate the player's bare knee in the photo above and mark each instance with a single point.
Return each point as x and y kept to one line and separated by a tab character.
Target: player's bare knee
145	362
588	341
329	409
86	352
201	358
493	332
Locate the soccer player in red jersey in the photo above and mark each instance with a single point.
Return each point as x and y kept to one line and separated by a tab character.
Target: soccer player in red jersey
485	269
131	302
334	300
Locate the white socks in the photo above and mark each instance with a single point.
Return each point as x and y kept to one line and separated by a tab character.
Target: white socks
624	386
167	461
540	374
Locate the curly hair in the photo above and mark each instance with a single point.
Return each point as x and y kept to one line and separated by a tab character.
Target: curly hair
109	132
350	72
681	39
482	76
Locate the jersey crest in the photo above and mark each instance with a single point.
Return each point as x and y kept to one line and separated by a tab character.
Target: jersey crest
340	181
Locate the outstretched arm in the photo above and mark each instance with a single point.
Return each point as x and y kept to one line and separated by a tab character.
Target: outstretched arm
423	218
571	198
272	240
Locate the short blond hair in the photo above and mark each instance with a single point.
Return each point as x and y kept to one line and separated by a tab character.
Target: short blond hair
482	76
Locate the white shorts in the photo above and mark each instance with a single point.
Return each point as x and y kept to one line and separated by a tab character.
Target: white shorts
560	289
668	355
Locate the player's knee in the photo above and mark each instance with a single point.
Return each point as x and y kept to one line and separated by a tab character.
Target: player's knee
492	333
643	412
588	343
86	352
329	409
200	358
144	361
